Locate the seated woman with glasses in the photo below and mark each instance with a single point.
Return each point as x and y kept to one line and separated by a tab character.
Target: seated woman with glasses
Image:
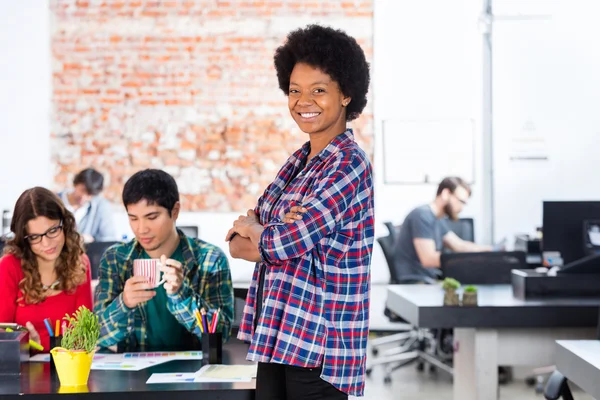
44	272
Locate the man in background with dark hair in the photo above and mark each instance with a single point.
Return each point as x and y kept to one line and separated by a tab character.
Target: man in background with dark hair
424	232
134	315
92	212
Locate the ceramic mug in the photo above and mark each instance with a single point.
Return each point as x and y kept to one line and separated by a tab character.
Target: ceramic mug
150	268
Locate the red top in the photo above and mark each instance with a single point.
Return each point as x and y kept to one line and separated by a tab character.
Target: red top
14	309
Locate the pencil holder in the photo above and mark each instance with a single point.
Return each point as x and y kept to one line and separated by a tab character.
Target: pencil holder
212	348
14	350
54	342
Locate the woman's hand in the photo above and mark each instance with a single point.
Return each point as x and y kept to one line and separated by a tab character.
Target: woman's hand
243	225
295	214
33	334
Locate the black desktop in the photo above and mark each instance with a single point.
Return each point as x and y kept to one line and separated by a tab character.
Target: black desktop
565	228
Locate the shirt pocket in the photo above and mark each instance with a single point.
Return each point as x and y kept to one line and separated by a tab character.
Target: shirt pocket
338	247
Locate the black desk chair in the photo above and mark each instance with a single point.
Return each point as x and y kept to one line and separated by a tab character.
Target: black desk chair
95	251
557	388
411	342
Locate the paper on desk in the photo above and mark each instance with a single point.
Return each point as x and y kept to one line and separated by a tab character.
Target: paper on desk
171	378
130	361
219	372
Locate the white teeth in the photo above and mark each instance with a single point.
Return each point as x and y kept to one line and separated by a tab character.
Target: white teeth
309	115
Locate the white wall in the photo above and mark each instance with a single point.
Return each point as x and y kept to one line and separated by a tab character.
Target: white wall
25	92
546	97
427	65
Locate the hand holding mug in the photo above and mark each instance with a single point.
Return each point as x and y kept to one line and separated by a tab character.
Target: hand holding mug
172	274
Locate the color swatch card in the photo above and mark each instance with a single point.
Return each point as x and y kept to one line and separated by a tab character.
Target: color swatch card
171	355
131	361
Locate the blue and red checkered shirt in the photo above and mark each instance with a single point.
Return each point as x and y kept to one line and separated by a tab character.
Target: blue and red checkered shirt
315	307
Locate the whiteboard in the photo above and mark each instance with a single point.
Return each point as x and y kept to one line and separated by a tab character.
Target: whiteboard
421	151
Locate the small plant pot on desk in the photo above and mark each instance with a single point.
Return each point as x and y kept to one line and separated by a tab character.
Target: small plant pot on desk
450	287
73	357
469	297
73	367
451	297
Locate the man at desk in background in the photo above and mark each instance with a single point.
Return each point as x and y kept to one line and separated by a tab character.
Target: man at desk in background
424	232
196	275
93	214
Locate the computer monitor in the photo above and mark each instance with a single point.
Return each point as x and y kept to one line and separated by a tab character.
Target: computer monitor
586	265
564	227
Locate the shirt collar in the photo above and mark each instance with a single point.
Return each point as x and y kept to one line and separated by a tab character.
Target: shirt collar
333	147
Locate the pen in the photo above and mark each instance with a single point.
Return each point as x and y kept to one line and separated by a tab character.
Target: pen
57	328
33	344
47	323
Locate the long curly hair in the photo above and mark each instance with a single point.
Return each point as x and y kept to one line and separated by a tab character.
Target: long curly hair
69	268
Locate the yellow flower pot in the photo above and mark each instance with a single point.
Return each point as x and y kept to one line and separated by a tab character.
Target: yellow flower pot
73	367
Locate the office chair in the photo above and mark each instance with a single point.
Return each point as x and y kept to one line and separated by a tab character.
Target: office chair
95	251
387	244
557	387
413	345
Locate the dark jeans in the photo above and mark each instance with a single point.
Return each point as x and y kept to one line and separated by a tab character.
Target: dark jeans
284	382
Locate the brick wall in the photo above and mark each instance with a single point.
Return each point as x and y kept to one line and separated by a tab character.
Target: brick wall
186	86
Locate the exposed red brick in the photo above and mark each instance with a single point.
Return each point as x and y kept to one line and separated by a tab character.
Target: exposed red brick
207	102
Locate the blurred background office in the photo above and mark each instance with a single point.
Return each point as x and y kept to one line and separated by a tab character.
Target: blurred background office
500	92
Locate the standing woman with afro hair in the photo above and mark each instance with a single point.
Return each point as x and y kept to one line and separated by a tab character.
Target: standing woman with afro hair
311	233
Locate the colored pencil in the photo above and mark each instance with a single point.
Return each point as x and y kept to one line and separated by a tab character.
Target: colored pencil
198	320
57	328
204	322
215	319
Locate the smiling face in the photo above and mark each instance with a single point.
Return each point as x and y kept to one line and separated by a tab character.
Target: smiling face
316	102
49	246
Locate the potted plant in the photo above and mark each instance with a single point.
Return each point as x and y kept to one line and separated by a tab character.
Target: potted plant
73	359
469	297
450	287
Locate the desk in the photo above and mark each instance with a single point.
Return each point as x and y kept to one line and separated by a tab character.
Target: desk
579	362
502	330
35	380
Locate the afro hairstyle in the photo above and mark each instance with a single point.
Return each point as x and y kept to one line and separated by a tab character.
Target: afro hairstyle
333	52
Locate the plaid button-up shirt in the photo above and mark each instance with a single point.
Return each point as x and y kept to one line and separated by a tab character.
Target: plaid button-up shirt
207	283
316	293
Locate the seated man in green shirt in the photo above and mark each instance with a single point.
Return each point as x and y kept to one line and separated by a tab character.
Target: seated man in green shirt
196	274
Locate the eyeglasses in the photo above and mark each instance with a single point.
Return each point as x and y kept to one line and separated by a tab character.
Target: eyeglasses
50	234
464	202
